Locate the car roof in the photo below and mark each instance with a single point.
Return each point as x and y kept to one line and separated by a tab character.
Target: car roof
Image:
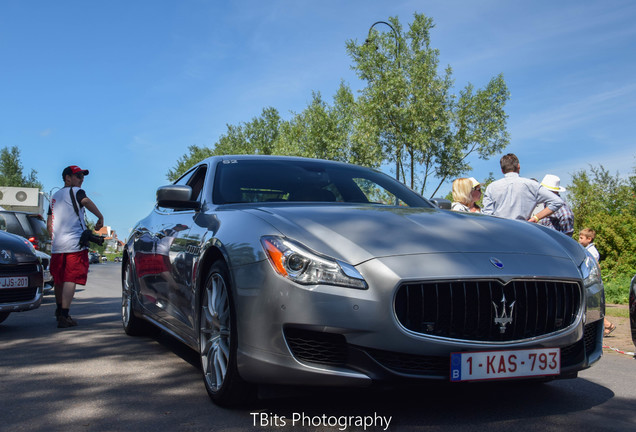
213	159
22	212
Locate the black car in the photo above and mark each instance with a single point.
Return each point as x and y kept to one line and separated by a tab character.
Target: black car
93	258
31	226
21	278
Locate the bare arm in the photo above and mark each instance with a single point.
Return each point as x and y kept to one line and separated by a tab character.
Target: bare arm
542	214
91	207
552	202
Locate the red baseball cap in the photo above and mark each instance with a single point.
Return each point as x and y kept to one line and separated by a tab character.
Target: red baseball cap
73	169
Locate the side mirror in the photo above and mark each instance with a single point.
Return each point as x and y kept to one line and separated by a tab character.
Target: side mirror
442	203
176	197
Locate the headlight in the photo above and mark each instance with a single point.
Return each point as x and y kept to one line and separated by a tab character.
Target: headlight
594	290
591	271
295	262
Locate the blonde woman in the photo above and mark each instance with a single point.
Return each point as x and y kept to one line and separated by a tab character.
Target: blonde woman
462	195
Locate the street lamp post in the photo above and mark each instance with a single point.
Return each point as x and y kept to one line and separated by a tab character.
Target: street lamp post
50	194
397	58
395	33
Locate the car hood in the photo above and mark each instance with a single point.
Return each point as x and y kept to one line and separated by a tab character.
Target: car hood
15	249
358	233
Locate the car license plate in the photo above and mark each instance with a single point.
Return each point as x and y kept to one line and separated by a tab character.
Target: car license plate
487	365
14	282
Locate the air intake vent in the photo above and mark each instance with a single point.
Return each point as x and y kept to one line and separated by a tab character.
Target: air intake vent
317	347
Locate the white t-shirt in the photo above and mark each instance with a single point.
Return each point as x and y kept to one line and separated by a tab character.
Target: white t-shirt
592	249
457	206
67	226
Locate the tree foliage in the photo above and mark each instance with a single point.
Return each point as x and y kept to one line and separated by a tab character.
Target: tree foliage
406	116
12	172
425	130
606	203
329	132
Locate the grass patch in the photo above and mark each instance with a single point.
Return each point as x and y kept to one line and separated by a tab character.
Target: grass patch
617	312
617	289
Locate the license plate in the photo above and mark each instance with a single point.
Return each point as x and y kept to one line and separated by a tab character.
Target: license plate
487	365
14	282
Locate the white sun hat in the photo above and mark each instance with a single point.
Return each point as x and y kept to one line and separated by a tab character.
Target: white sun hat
474	182
552	182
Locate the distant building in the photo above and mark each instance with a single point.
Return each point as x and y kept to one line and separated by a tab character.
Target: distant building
112	243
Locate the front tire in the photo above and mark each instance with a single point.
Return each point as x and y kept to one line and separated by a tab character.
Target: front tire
133	326
218	341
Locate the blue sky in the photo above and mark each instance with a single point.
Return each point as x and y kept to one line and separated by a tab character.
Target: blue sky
123	87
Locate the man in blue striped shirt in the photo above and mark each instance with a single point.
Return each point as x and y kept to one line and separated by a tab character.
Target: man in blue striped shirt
515	197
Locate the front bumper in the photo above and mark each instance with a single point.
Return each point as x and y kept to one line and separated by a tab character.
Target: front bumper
20	299
327	335
23	299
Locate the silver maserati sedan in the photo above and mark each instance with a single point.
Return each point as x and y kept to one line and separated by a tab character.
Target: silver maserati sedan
294	271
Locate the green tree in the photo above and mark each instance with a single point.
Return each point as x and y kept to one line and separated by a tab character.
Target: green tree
606	203
329	132
421	126
11	170
254	137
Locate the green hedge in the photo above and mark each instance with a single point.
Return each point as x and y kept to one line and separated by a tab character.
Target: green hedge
617	289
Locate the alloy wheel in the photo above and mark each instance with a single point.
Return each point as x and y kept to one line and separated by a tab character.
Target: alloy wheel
215	332
126	296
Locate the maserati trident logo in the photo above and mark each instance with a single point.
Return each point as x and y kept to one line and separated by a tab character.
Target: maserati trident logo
503	317
496	262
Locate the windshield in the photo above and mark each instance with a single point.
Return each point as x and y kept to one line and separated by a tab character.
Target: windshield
275	180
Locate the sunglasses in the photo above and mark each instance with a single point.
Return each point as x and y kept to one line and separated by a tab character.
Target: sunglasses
79	175
477	188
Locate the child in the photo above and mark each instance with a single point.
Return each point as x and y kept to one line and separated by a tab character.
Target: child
586	239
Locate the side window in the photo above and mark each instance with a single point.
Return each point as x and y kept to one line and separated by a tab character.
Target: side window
9	223
196	183
24	223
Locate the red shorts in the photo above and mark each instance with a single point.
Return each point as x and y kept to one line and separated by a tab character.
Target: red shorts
69	267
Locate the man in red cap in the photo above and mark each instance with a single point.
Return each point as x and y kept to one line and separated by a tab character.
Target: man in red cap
66	222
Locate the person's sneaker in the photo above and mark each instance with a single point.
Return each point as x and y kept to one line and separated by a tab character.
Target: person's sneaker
65	322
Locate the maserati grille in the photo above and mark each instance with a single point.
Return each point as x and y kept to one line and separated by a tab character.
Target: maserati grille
488	310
